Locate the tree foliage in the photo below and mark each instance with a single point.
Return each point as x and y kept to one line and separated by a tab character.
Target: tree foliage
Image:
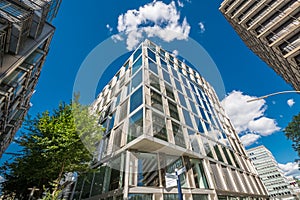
51	145
292	132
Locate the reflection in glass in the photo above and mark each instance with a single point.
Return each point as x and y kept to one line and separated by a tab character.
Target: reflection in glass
136	99
136	80
159	127
137	64
135	126
178	135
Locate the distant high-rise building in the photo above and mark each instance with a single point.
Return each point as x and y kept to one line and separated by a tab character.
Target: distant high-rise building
161	115
271	29
272	177
25	36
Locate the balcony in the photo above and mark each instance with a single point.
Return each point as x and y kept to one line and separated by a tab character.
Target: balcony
20	19
41	9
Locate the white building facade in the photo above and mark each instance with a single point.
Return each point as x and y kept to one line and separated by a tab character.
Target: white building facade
272	177
161	115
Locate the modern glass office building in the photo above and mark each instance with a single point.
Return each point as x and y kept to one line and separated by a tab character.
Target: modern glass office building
25	36
270	28
277	185
161	115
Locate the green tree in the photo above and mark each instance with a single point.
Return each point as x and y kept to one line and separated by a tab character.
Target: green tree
292	132
52	145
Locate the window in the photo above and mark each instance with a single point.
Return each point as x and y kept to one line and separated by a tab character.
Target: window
173	110
147	173
136	80
178	85
178	135
135	126
187	118
218	152
154	81
200	197
159	127
193	107
182	100
174	72
111	121
118	138
169	92
170	196
136	99
153	67
137	53
166	77
163	64
187	90
123	111
207	147
199	175
156	100
137	65
151	55
140	197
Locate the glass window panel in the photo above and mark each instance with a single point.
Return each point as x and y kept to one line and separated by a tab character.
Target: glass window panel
163	64
182	100
151	55
136	80
117	138
123	111
199	125
187	90
207	147
136	54
136	99
140	197
156	100
174	72
227	155
199	175
178	85
169	92
178	135
170	196
147	170
137	65
153	67
135	126
159	127
111	121
166	77
195	143
154	81
200	196
218	152
173	110
202	113
184	80
187	118
193	107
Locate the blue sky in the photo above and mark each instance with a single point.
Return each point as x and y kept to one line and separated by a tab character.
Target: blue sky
81	26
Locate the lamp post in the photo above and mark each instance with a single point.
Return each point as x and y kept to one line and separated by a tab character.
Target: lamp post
273	94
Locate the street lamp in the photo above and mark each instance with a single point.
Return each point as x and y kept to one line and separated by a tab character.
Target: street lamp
273	94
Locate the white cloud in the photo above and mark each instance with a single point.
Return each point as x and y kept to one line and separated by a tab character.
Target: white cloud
290	102
155	19
249	139
248	117
180	4
290	169
109	27
201	26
